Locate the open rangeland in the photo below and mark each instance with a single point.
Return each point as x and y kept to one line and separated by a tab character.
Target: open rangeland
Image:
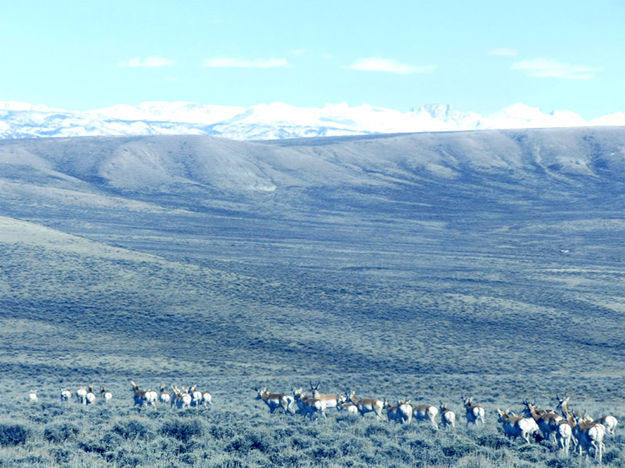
423	269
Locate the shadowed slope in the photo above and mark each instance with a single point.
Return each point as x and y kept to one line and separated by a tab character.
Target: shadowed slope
493	252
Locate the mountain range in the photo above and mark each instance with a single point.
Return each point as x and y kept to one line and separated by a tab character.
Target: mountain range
270	121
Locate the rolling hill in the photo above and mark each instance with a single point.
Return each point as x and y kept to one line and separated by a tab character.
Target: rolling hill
280	247
428	266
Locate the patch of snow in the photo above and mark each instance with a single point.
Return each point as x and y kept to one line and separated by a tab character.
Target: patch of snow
270	121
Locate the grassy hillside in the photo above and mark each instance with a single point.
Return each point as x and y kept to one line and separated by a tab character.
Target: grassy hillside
417	266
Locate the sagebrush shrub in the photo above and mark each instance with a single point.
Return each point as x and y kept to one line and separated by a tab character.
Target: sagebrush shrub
13	434
221	432
132	429
58	433
182	430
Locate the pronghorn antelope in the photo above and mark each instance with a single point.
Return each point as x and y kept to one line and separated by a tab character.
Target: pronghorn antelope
474	413
564	435
90	397
343	404
207	399
546	420
392	412
426	413
32	396
563	405
181	399
151	397
401	412
200	398
589	435
309	405
81	395
405	411
164	396
367	405
608	420
274	400
106	395
138	394
517	426
448	417
329	399
66	395
196	396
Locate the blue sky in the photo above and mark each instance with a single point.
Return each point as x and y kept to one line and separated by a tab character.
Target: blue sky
477	56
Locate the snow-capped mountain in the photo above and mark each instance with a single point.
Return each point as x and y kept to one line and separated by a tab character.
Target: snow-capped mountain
269	121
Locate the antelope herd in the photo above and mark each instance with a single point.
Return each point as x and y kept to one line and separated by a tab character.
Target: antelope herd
562	427
181	398
184	397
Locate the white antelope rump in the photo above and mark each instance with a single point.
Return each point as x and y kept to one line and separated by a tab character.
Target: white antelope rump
81	395
143	397
329	399
401	412
609	422
474	412
32	396
151	397
66	395
200	398
517	426
164	396
564	436
182	399
426	413
343	404
547	421
405	410
309	405
448	417
90	397
105	394
367	405
274	400
589	435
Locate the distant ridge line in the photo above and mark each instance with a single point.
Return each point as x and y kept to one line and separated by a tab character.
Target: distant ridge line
276	121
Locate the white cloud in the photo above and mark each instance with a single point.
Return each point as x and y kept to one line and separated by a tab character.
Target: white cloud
547	68
226	62
149	62
388	65
504	52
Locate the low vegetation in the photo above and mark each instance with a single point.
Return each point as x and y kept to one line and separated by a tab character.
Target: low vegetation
408	287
